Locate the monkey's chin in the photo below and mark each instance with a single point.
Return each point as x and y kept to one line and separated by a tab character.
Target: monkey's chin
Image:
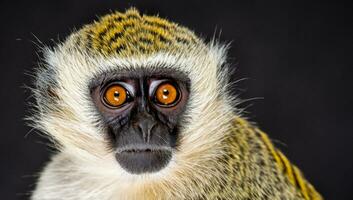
139	161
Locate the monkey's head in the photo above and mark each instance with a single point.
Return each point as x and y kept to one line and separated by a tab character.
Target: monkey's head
133	96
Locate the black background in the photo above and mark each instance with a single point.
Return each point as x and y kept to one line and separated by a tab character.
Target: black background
296	56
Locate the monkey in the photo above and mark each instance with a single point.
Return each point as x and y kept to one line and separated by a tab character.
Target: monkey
139	107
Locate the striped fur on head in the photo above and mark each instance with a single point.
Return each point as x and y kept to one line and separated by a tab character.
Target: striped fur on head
131	34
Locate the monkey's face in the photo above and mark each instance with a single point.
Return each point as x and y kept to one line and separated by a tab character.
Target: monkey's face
141	111
137	99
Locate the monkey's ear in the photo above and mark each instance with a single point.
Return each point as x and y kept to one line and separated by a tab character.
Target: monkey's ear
45	86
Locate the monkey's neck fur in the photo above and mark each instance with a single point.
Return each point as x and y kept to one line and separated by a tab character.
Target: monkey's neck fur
220	155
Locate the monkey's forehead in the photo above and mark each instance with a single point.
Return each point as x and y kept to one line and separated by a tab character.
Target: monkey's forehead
131	33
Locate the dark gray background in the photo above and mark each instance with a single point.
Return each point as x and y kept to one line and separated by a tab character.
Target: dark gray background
297	56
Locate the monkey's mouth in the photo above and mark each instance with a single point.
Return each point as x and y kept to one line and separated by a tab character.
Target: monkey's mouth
143	160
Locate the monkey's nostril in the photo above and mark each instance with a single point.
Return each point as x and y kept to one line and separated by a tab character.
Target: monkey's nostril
140	130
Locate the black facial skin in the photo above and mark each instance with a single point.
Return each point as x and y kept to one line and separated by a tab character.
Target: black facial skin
142	132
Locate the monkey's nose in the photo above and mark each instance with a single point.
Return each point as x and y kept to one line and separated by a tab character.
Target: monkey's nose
145	127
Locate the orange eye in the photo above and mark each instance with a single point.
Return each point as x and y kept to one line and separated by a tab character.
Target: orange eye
115	95
166	94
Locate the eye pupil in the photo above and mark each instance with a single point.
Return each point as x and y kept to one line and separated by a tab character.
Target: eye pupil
166	92
116	94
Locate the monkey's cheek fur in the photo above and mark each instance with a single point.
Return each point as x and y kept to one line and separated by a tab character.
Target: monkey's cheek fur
143	161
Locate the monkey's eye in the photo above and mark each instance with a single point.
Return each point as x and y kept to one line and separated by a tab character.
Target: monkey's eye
167	94
115	95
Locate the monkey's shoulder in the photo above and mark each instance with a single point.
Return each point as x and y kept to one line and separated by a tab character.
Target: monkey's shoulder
253	153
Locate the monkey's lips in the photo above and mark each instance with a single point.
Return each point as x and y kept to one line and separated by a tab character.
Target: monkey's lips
143	160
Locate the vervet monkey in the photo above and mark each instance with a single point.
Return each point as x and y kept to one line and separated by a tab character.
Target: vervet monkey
139	107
